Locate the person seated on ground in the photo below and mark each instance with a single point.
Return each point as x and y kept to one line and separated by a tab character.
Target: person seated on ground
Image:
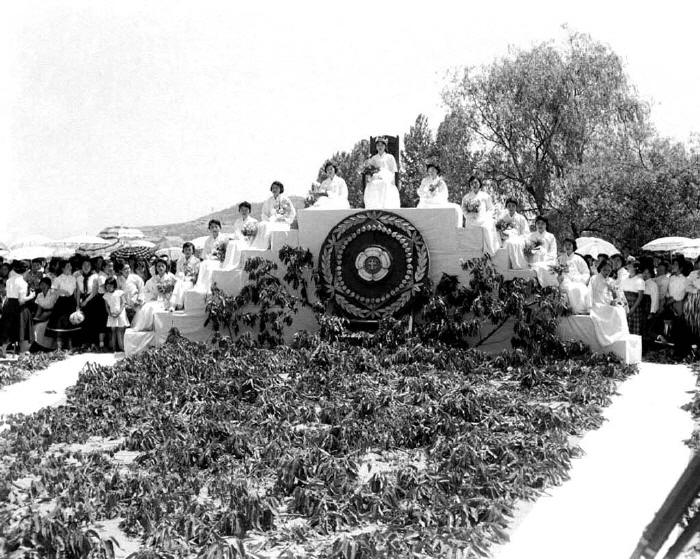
607	311
91	304
213	255
691	306
186	271
245	228
380	188
478	211
278	214
573	280
16	322
333	191
45	302
59	325
433	193
543	249
514	232
633	288
158	294
133	287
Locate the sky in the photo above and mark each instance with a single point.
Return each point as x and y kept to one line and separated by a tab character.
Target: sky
142	113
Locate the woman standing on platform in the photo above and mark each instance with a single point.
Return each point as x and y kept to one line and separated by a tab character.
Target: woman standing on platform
477	207
212	257
59	325
380	190
278	214
335	190
433	193
16	322
633	288
574	280
515	232
245	228
544	252
607	312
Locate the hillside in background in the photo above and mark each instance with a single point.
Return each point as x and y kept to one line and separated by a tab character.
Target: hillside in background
197	227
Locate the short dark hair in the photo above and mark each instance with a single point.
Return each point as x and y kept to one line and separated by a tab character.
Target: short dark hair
162	261
279	184
330	164
572	241
543	220
112	282
245	205
635	266
602	255
512	201
603	263
19	266
665	263
106	262
434	166
474	178
188	244
213	222
38	260
618	256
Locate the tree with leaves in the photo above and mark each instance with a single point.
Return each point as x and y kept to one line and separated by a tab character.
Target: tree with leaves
350	166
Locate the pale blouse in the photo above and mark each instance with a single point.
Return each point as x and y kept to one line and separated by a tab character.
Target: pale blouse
547	252
210	245
484	201
578	269
662	282
93	284
519	222
602	290
633	284
47	301
385	162
335	187
65	283
651	289
151	288
676	287
187	268
17	287
278	209
438	195
133	289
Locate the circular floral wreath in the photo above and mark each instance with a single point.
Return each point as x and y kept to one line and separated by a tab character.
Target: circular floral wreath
372	264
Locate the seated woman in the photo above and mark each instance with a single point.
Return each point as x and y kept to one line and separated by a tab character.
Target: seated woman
158	294
607	311
574	280
380	190
515	231
59	325
16	321
633	288
212	256
45	301
477	208
186	270
433	193
245	228
543	247
278	214
335	190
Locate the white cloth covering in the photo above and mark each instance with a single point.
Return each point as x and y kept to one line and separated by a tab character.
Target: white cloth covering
609	319
380	190
238	242
154	302
336	197
433	193
543	257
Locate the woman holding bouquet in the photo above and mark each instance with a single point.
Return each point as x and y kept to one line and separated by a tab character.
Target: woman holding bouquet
607	311
158	294
380	189
573	278
433	193
514	232
333	191
186	270
278	214
213	255
245	228
541	247
65	286
477	207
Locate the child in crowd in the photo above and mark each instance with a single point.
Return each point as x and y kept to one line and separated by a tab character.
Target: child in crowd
115	301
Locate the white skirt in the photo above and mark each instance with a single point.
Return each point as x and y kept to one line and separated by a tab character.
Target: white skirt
515	246
206	268
577	294
265	229
381	194
610	323
144	318
331	203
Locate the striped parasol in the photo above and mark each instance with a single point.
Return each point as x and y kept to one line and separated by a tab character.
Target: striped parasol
137	248
120	233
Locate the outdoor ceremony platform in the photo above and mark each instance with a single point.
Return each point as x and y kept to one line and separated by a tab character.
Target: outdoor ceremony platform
370	261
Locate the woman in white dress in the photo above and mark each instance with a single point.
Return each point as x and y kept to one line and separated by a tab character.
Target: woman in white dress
607	311
380	190
544	253
574	282
477	207
158	294
335	190
211	259
186	271
515	235
278	214
245	228
433	193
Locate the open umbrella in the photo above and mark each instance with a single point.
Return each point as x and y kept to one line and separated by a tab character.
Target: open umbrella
666	244
31	252
594	246
85	242
138	248
118	232
691	249
31	241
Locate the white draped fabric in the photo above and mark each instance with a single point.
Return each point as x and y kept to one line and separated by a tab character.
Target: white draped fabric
381	191
278	214
209	262
482	217
543	257
154	302
515	240
238	242
433	193
609	320
336	197
575	283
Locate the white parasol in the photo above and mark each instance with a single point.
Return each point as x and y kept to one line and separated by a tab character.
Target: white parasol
594	246
666	244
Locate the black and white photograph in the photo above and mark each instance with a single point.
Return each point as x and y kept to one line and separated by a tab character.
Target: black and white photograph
349	280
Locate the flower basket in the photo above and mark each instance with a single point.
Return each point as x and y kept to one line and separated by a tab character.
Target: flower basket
76	318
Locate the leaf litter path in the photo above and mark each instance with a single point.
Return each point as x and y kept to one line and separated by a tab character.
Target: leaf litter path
48	386
629	466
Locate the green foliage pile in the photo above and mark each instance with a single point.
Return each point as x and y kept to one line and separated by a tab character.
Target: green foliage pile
244	450
11	372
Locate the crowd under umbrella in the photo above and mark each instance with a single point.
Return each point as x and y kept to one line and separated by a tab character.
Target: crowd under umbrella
594	246
666	244
118	232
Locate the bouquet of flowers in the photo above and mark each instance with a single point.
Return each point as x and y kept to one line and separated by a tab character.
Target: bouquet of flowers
249	230
219	252
314	194
166	286
76	318
471	206
369	169
503	224
559	268
531	247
